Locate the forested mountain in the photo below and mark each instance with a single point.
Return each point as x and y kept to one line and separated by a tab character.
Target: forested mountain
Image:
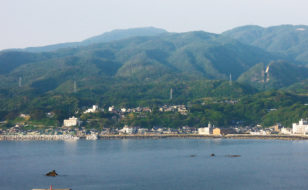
289	40
193	54
139	67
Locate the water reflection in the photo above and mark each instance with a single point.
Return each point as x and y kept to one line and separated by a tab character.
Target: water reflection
70	146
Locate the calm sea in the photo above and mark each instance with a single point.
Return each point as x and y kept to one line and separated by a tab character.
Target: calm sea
158	164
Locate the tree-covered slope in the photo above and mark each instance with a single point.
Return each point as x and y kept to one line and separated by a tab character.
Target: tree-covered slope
290	40
193	54
274	75
299	87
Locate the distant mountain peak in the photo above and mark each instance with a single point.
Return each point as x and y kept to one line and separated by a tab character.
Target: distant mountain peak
114	35
120	34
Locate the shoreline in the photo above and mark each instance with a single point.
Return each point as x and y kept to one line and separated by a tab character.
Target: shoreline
160	136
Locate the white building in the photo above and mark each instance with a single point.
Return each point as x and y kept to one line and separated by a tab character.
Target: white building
73	121
206	130
111	109
300	128
286	131
142	131
128	130
92	110
123	110
261	132
92	137
25	116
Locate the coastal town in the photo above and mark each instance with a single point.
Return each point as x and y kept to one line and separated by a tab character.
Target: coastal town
73	128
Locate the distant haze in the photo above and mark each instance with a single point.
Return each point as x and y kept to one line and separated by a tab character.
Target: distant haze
42	22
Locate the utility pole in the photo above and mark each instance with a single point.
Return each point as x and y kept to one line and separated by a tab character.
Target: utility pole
19	82
75	87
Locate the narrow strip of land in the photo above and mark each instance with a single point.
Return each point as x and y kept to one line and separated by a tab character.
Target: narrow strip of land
72	138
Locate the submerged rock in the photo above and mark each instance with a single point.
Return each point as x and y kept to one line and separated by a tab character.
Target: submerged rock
53	173
193	155
233	155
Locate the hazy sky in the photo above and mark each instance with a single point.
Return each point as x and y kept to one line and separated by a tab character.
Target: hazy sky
27	23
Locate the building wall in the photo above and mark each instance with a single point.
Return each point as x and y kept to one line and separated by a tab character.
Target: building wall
286	131
204	131
299	129
216	131
70	122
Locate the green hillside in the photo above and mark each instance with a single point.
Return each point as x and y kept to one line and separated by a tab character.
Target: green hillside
299	88
197	54
274	75
289	40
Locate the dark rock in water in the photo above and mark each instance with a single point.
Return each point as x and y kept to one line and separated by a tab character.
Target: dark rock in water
212	155
233	156
52	173
193	155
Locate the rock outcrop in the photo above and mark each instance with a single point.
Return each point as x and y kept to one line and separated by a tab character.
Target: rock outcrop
53	173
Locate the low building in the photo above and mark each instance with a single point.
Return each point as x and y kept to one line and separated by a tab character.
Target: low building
25	116
50	114
286	131
146	109
276	128
73	121
128	130
216	131
92	110
226	131
92	136
142	131
111	109
206	130
182	110
300	128
261	132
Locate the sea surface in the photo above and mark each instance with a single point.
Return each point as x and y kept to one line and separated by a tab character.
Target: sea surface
155	164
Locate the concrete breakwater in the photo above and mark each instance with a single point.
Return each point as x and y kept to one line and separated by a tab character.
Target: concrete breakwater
147	136
138	136
228	136
37	137
272	137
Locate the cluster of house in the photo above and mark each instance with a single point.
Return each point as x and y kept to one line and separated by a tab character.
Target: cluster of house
182	109
174	108
129	110
209	130
300	128
223	102
130	130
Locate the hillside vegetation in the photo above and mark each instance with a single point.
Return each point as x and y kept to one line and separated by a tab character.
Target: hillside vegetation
289	40
138	67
